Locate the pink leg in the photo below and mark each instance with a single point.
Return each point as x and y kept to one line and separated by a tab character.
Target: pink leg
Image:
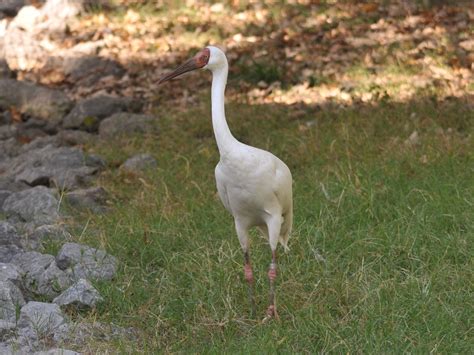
272	274
250	280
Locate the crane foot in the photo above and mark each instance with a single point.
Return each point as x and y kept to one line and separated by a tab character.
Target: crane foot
271	314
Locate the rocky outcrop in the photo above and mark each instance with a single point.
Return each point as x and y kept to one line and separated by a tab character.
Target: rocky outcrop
37	205
81	295
11	299
37	101
88	113
126	123
93	198
41	275
63	167
81	261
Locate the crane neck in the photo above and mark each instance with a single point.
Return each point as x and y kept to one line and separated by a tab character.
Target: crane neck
224	138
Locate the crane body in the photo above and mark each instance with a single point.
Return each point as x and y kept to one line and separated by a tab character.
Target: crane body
254	185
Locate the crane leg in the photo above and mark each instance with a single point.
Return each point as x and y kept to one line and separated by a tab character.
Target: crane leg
273	226
250	280
243	234
272	274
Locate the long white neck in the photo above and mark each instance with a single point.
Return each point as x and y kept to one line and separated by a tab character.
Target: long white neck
224	138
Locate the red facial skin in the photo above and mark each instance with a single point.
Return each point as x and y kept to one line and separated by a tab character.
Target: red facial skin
197	62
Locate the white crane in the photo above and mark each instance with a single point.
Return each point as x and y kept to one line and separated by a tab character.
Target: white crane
253	184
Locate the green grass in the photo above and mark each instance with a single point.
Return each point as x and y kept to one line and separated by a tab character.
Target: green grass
381	255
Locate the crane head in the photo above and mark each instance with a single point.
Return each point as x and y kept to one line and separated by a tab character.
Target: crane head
199	61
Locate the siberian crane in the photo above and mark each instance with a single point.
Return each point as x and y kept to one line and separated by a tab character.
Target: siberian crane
254	185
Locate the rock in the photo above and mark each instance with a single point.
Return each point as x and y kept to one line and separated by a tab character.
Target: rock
81	294
5	117
40	142
22	50
126	123
45	319
413	140
8	234
34	239
34	124
8	148
64	167
41	274
7	329
5	71
26	35
8	185
27	18
50	232
10	272
139	162
37	205
3	196
8	252
88	113
88	70
58	12
74	137
86	262
93	198
7	131
10	300
96	161
37	101
11	7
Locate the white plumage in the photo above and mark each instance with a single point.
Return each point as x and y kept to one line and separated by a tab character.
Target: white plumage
254	185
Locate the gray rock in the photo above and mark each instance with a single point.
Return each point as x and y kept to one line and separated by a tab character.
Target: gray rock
7	131
139	162
10	272
88	113
7	329
8	234
40	142
74	137
8	185
11	7
10	300
84	262
81	294
34	237
87	70
37	205
5	71
64	167
41	276
95	161
3	196
45	319
126	123
5	117
37	101
93	198
8	148
8	252
50	232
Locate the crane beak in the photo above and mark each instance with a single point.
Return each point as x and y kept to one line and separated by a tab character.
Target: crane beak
191	64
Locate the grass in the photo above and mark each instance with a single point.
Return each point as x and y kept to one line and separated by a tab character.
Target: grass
381	255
